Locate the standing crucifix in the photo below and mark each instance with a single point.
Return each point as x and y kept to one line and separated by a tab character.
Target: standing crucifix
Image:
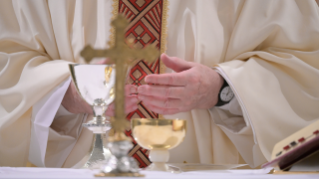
121	54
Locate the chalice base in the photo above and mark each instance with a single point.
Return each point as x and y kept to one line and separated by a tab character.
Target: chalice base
159	157
129	174
120	164
162	166
98	152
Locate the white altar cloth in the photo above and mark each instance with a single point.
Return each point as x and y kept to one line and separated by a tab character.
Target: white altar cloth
34	173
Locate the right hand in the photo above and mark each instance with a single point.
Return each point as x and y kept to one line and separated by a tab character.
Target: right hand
73	102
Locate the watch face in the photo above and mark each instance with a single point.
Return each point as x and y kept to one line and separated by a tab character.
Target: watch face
226	94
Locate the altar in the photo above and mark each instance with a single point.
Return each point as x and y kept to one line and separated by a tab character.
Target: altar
43	173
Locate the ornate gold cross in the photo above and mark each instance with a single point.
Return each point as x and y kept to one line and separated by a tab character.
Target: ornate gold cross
122	55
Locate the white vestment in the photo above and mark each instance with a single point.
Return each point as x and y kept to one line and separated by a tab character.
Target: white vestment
267	51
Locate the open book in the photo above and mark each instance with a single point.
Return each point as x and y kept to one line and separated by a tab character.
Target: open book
298	152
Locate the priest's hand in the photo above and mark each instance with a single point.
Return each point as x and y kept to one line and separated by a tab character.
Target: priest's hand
73	102
193	86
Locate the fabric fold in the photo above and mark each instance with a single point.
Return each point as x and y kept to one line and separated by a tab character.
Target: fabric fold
42	117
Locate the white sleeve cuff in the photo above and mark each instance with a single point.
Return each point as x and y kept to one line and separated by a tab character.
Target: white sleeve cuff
62	112
43	113
230	115
233	106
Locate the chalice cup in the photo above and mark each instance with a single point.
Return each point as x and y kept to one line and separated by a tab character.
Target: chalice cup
158	136
95	84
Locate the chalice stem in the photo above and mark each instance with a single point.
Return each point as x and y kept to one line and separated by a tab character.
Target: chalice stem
159	157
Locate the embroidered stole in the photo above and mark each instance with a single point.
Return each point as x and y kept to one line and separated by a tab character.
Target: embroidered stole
147	26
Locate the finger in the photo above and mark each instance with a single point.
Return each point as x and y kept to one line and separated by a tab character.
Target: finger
132	99
128	108
173	79
130	89
161	91
175	63
131	108
101	62
130	105
110	110
162	110
104	61
163	103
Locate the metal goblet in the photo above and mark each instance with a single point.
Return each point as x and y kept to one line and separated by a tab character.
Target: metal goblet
158	136
95	84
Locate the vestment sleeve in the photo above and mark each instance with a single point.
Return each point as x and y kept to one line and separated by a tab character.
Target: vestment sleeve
54	130
30	67
272	62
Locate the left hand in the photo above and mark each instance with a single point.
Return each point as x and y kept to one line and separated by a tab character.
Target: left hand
192	86
73	102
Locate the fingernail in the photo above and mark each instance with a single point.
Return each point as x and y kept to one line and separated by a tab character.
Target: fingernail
164	55
146	79
150	78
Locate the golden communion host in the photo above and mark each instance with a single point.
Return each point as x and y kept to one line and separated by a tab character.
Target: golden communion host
243	73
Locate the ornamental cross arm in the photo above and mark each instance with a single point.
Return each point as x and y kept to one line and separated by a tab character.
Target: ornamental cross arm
120	49
150	53
88	53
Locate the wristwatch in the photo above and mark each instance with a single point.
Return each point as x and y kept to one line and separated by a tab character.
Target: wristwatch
225	94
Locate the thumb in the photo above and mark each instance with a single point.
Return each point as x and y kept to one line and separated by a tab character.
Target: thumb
175	63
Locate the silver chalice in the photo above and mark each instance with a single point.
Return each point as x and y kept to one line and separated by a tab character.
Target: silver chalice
95	84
